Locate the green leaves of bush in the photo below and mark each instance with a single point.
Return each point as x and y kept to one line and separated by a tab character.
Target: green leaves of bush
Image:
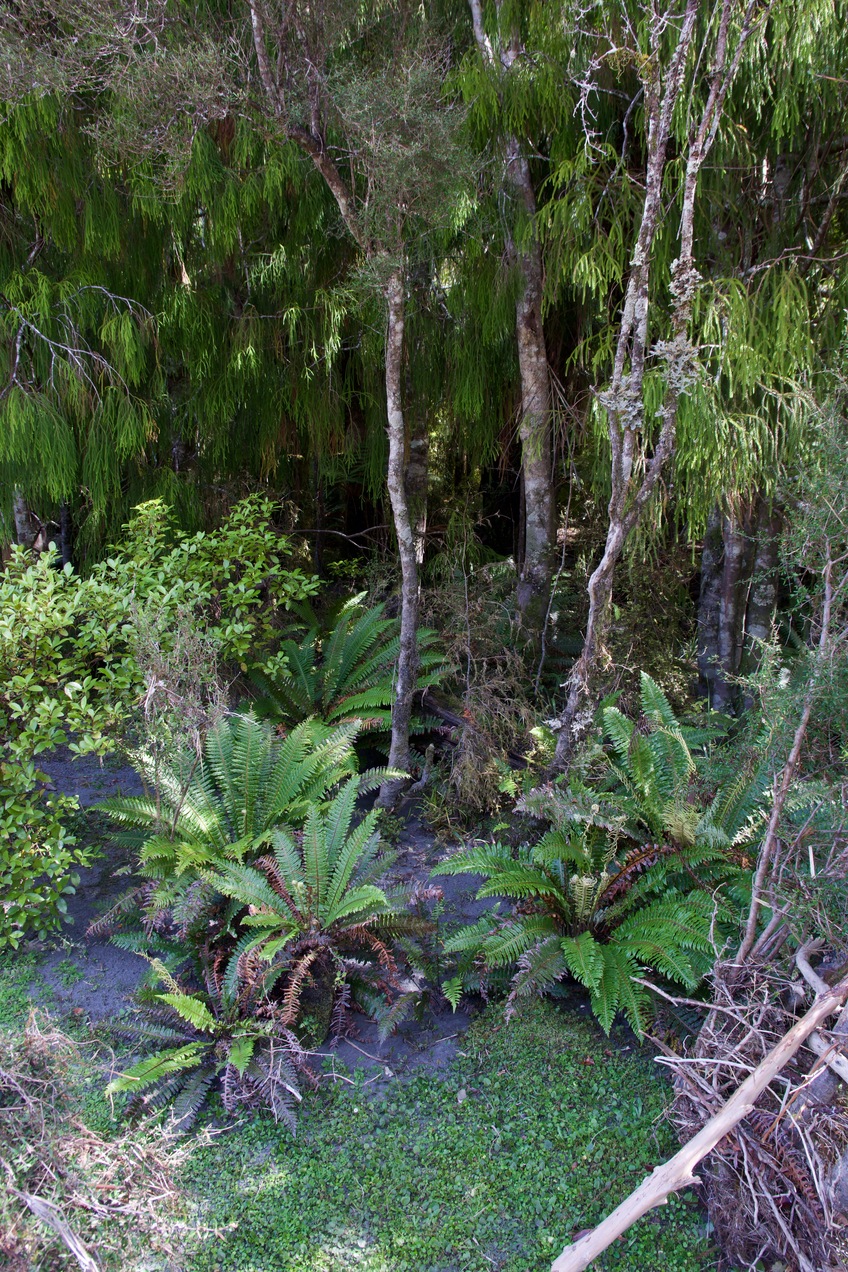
70	672
38	857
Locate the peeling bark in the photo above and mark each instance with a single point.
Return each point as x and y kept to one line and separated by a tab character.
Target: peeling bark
407	667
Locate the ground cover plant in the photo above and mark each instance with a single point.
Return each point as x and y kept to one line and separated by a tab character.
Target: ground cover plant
539	1127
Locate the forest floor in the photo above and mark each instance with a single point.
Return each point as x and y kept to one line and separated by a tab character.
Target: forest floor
459	1144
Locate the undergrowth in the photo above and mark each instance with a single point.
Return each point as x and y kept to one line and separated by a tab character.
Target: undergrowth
536	1132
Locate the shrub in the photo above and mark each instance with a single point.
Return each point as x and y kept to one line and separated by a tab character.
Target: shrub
39	859
72	671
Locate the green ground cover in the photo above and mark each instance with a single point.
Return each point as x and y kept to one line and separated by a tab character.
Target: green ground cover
538	1129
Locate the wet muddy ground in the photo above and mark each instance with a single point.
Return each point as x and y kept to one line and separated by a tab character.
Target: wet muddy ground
92	979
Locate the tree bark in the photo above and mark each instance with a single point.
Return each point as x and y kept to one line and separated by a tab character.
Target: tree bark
624	399
534	580
417	473
709	604
407	666
762	595
738	547
26	524
535	569
312	143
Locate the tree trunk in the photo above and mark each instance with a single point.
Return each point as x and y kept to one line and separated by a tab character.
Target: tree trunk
535	570
26	524
762	596
738	599
407	667
736	534
624	399
573	724
417	471
709	604
534	580
66	533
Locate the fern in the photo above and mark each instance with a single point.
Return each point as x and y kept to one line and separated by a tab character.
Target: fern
219	1040
344	674
594	908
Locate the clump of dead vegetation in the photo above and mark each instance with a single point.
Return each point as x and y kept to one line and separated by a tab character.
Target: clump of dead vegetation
776	1186
72	1197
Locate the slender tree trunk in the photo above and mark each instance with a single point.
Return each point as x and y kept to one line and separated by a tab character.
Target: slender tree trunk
709	604
534	580
26	524
407	667
535	570
738	599
66	533
417	473
624	399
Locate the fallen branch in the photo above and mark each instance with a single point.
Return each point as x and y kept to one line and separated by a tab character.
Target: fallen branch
827	1051
678	1172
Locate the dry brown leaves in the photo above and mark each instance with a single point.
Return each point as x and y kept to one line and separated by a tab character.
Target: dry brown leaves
70	1192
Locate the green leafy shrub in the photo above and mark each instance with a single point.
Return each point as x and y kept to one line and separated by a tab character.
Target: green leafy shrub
219	1039
39	858
345	673
633	875
72	667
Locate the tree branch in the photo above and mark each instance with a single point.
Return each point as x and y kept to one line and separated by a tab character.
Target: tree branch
678	1172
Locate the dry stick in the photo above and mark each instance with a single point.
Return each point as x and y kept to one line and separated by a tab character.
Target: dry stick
678	1173
789	769
53	1217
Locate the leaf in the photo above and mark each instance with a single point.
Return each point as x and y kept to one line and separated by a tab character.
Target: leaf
241	1052
153	1068
191	1009
585	959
